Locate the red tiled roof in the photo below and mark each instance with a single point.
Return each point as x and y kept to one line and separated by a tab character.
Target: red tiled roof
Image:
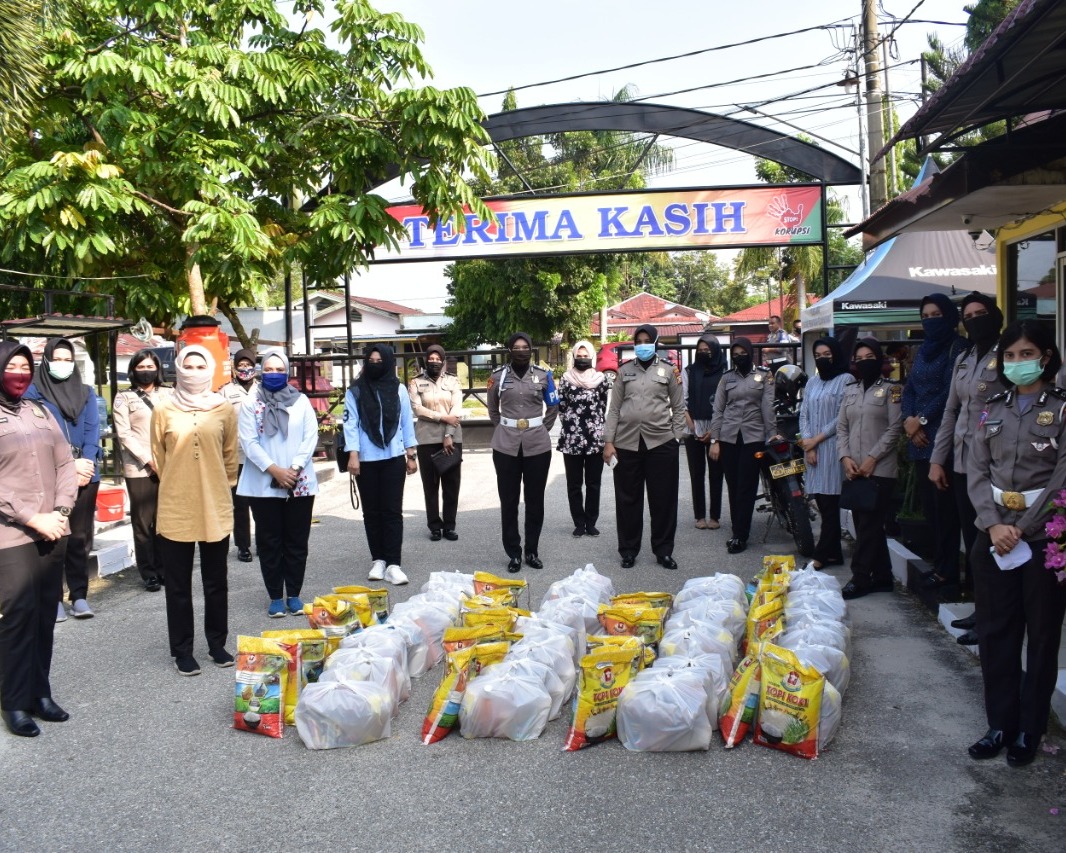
672	330
369	302
762	311
624	317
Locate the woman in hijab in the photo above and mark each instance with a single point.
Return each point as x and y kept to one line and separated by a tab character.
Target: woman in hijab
278	432
925	396
582	411
818	439
379	432
132	415
645	425
238	390
867	429
59	386
194	450
742	422
37	470
700	385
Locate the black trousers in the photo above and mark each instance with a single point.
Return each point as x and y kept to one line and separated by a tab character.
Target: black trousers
828	549
699	466
80	542
583	471
381	492
870	561
282	528
741	470
967	520
31	582
655	469
177	565
521	476
433	484
1028	604
942	513
144	498
242	525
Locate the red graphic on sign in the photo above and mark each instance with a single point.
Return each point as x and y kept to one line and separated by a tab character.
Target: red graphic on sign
779	208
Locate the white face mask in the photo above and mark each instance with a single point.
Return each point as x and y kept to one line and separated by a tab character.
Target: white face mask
61	369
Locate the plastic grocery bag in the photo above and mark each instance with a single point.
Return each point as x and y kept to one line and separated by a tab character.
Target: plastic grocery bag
534	626
383	640
701	638
664	710
505	702
368	665
463	666
554	651
717	586
715	678
817	603
585	583
332	714
806	579
818	633
724	612
459	583
575	612
418	661
552	682
432	620
829	661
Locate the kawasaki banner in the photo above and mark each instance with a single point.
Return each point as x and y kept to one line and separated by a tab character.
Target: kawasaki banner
620	222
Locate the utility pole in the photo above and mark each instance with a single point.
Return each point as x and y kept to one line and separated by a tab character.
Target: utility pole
874	107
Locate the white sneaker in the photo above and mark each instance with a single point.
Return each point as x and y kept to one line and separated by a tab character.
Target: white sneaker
377	570
395	576
61	616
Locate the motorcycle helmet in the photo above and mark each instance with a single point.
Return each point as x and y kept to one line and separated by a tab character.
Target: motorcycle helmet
788	385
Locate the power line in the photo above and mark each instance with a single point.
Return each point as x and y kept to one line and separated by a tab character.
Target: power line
75	277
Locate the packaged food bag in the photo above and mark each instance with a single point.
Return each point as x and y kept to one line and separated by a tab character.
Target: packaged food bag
805	629
664	710
562	609
603	676
828	660
554	651
262	672
819	604
463	666
717	586
585	583
459	583
502	618
805	579
715	678
701	638
790	702
308	651
551	681
724	612
432	619
644	599
379	599
334	714
620	620
505	702
486	582
599	641
367	665
742	701
829	716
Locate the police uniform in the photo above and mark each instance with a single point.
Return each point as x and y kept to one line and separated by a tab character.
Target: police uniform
870	424
742	422
645	423
523	409
430	400
1017	464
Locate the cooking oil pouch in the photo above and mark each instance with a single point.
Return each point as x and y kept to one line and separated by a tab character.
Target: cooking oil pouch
262	672
485	582
742	700
456	639
379	599
602	677
463	665
594	642
633	621
308	650
644	599
790	701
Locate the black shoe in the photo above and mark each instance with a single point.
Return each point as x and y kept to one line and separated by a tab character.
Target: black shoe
1023	750
967	639
515	565
244	555
47	710
451	535
667	562
152	584
434	536
591	530
20	723
187	665
853	590
967	623
735	546
579	531
533	561
221	658
883	585
989	746
628	562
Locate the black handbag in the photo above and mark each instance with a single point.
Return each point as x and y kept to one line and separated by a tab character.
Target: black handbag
341	453
444	462
859	495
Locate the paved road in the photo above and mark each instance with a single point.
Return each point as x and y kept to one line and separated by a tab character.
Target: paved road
148	760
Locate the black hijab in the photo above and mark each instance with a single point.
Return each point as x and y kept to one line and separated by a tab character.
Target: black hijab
839	364
746	345
379	400
68	395
8	350
520	369
716	366
879	354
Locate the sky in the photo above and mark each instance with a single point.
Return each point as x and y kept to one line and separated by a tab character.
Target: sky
490	46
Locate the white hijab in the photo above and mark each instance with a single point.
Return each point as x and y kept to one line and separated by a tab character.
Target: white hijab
192	391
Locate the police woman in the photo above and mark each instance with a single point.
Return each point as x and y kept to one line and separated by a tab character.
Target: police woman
869	425
523	406
645	424
1017	466
742	423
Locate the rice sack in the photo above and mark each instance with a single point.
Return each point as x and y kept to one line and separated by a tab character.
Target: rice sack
463	666
262	672
379	599
742	700
603	676
308	651
486	582
790	701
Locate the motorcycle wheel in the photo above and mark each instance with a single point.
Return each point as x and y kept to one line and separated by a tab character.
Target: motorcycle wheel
800	524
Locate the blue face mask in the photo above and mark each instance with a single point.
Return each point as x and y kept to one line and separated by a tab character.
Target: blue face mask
645	352
1023	372
275	381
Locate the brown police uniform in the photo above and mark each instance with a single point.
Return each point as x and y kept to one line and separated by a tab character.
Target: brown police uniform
431	399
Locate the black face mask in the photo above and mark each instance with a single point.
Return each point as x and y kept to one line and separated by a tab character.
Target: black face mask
434	368
582	364
982	329
825	366
703	358
521	357
742	363
374	370
144	378
869	370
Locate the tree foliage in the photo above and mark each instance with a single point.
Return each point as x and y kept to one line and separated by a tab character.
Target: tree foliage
209	144
21	72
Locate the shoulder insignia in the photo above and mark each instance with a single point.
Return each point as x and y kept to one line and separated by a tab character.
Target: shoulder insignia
1002	395
120	401
492	381
1058	392
896	392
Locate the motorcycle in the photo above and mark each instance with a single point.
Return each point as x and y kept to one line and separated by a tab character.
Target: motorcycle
781	464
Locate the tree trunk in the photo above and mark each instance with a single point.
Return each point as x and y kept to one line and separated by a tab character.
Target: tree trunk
197	299
247	341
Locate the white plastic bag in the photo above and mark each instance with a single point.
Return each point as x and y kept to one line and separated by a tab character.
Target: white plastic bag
718	586
418	662
572	612
432	620
700	638
715	678
725	613
553	651
829	661
459	583
504	703
664	710
552	682
383	640
807	579
369	665
332	714
817	633
820	604
828	716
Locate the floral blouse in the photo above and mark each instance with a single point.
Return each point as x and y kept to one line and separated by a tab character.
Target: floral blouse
582	412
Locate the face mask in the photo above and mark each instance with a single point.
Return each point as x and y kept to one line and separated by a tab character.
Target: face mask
194	381
742	363
374	370
869	369
144	378
703	358
434	368
60	369
936	325
824	365
15	384
521	357
275	381
1023	372
245	373
981	328
645	352
582	364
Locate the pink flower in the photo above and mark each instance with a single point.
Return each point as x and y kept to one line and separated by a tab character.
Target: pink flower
1061	576
1060	499
1056	560
1056	526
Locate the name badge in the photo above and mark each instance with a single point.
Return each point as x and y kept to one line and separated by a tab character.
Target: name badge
991	364
662	372
37	413
757	377
880	392
536	379
1045	419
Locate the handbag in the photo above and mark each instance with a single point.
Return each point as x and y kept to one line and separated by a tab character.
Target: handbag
341	453
444	462
859	495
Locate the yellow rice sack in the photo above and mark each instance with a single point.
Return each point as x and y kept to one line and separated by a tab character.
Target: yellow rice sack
362	604
741	700
457	639
594	642
486	582
462	666
644	599
790	701
602	677
335	615
379	599
623	620
261	674
308	650
502	617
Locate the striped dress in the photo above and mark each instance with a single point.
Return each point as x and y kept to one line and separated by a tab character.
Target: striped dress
818	414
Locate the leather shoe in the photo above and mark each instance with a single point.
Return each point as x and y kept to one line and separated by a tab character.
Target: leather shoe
152	584
451	535
515	565
853	590
244	555
883	586
628	562
47	710
989	746
20	723
735	546
967	623
967	639
935	581
591	530
579	531
434	536
668	562
533	561
1023	750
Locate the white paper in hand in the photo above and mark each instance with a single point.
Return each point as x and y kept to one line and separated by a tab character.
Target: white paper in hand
1020	554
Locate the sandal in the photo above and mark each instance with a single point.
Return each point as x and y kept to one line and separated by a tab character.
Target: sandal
701	524
713	524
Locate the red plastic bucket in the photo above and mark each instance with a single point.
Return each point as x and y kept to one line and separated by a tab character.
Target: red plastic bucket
110	503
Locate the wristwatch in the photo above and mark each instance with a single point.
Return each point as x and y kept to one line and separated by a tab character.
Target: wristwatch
63	511
296	468
923	420
713	441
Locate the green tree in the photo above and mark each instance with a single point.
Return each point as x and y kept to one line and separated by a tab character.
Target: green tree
209	145
21	72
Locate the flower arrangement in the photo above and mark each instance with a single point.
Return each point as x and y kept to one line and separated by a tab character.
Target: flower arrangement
1055	528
